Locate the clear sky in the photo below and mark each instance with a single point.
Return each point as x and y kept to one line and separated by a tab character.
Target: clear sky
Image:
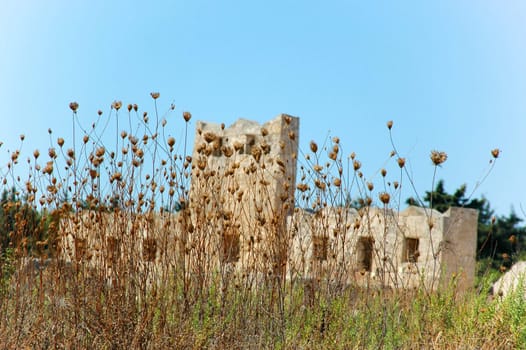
450	73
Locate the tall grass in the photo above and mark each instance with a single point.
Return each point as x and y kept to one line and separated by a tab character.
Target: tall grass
128	256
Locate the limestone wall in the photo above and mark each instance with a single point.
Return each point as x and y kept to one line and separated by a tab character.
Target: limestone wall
241	216
371	247
243	182
377	247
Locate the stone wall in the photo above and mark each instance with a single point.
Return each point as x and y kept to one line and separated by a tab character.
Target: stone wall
379	247
243	181
241	216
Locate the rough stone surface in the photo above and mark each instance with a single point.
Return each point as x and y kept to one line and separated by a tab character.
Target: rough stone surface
241	215
510	280
380	247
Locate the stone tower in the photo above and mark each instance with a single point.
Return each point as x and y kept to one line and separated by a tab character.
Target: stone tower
245	176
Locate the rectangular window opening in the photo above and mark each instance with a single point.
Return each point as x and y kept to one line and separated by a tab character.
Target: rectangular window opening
250	141
230	248
410	250
365	253
217	144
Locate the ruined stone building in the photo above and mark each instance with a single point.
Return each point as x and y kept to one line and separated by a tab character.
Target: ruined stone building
242	217
380	247
254	167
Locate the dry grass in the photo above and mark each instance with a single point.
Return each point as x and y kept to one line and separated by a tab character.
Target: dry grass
115	266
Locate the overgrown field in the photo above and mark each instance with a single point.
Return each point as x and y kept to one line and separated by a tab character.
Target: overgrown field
104	246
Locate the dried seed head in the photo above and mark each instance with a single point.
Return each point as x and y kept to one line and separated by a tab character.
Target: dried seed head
171	141
48	169
187	116
85	139
401	162
117	105
396	184
155	95
383	172
302	187
227	151
370	186
129	107
201	163
22	137
337	182
60	141
356	165
135	107
353	155
336	140
256	153
264	132
237	146
313	147
438	157
52	153
14	156
209	136
100	151
320	184
385	197
71	153
389	124
124	134
36	153
495	153
265	147
116	176
74	106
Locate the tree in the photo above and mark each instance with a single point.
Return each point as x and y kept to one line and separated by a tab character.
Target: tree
21	226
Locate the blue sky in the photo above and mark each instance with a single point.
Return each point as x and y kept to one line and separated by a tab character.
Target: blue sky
451	74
